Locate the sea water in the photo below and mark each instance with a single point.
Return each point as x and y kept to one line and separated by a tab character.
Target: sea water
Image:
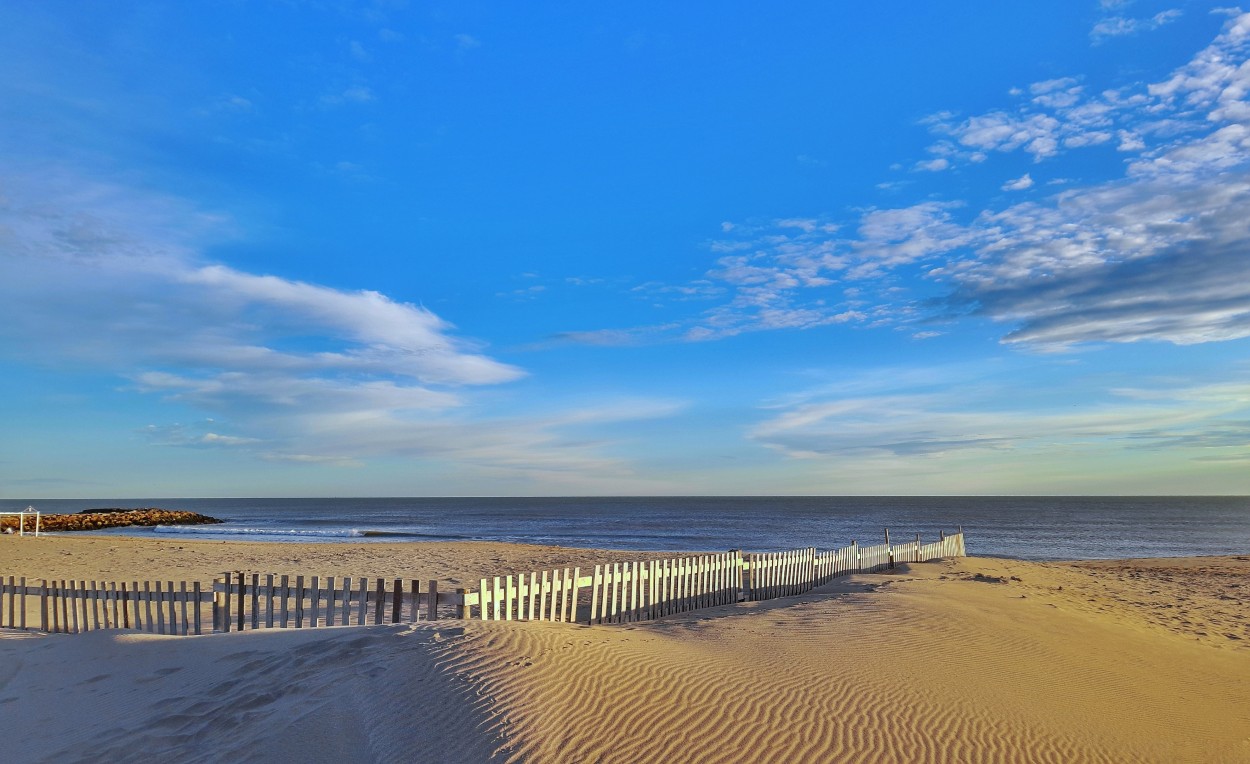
1035	528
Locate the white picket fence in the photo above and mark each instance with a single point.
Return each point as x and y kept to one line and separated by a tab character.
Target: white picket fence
613	593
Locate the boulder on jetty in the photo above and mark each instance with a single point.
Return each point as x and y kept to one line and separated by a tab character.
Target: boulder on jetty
96	519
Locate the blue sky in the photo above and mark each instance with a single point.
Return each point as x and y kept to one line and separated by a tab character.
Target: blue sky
390	248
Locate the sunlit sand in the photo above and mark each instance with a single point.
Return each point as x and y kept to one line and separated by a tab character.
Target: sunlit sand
966	660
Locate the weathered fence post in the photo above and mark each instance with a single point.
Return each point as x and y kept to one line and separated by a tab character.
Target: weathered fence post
241	601
889	550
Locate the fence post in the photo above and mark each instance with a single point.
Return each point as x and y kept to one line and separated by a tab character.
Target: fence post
462	608
889	550
224	626
241	601
431	604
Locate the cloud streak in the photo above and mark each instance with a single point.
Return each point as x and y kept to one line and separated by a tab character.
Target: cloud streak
101	277
910	422
1155	255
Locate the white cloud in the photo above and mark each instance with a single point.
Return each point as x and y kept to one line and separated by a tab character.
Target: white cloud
1158	254
1121	26
108	279
934	165
1019	184
900	417
352	94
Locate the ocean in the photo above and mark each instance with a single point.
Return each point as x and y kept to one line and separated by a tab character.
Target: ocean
1032	528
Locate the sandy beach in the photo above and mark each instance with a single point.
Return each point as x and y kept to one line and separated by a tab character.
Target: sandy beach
962	660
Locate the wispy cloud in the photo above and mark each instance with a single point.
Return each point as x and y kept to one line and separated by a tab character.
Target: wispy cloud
1121	26
110	279
1157	254
351	94
1019	184
905	421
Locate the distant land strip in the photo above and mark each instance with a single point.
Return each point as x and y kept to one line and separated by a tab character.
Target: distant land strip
96	519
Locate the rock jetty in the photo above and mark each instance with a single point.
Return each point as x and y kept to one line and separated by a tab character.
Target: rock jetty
96	519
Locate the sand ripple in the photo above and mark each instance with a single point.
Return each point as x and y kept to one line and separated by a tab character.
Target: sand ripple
965	661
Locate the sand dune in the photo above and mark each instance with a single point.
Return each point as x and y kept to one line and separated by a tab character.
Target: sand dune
974	660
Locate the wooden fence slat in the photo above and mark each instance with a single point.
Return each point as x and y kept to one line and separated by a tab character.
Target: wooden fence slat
171	608
570	615
110	599
636	590
596	583
314	596
195	609
716	582
172	603
71	602
160	611
431	605
255	601
63	594
185	626
269	594
614	614
125	619
705	581
298	598
135	601
82	598
240	601
92	596
284	607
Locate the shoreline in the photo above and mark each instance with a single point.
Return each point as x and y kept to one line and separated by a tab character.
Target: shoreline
967	659
87	555
453	563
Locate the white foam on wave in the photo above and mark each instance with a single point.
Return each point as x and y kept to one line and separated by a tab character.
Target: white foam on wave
217	530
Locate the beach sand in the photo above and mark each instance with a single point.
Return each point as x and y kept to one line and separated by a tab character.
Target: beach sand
970	660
